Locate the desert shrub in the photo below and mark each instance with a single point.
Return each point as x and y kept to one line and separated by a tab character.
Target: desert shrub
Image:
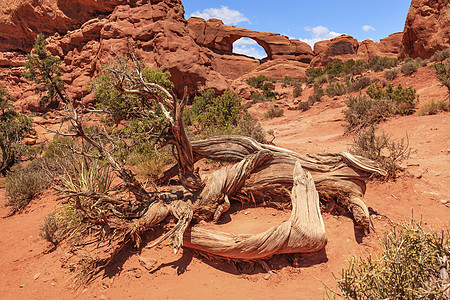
440	56
222	115
359	84
257	82
391	74
335	89
317	95
24	184
304	105
273	112
388	153
405	100
14	127
268	90
297	91
443	74
313	73
150	163
409	67
62	223
363	111
378	63
433	107
257	97
43	69
323	79
407	267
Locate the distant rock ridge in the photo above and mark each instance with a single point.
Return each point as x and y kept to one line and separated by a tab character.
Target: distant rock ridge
198	53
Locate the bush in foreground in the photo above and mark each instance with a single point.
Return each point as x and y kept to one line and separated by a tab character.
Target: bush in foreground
407	268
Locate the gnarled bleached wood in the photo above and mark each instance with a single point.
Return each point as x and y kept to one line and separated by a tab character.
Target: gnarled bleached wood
303	232
341	176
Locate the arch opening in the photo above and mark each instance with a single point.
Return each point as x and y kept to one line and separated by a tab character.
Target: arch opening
249	47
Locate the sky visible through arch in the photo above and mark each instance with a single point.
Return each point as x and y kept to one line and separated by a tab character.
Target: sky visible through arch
308	21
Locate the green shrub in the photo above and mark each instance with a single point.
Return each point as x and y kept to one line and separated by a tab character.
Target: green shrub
405	100
43	69
14	127
391	74
388	153
297	91
64	222
268	90
257	82
257	97
222	115
433	107
317	95
335	89
378	63
273	112
407	267
323	79
363	111
359	84
150	163
409	67
443	74
440	56
313	73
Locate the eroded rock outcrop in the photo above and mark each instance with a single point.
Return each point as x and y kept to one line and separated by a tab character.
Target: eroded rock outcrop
220	37
345	47
427	28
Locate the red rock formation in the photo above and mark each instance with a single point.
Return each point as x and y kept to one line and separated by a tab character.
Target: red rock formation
427	28
345	47
219	37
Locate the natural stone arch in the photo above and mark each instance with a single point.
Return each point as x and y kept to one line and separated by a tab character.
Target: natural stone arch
263	44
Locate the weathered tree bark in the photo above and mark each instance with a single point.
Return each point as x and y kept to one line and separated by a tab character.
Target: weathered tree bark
303	232
338	176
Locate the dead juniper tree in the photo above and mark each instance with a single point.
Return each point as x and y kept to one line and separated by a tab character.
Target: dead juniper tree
258	173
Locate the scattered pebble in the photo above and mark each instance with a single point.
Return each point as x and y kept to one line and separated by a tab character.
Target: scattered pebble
22	285
268	275
36	276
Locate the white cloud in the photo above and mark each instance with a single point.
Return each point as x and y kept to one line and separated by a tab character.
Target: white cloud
368	28
319	33
227	15
249	47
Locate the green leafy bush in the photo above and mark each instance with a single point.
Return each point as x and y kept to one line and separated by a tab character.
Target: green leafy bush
382	148
313	73
268	90
273	112
433	107
405	100
335	89
407	267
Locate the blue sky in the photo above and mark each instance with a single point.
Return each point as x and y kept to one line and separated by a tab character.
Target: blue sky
309	21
